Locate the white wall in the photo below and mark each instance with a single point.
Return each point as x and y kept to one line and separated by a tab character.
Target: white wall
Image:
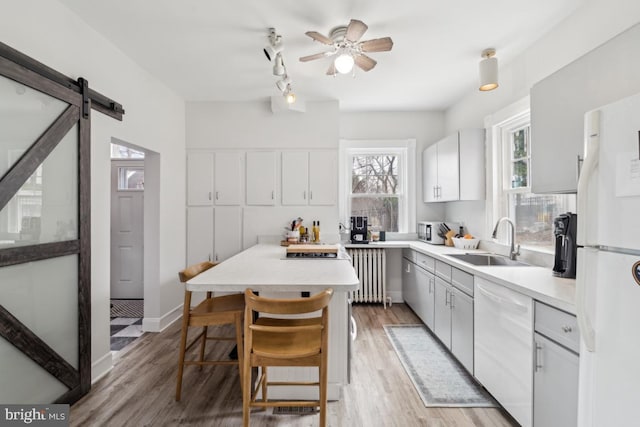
154	119
590	26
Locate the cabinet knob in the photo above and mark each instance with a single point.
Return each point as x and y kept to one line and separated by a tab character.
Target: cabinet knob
304	195
566	329
310	195
209	195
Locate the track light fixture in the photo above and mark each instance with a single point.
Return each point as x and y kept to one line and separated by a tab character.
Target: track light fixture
275	45
273	52
488	70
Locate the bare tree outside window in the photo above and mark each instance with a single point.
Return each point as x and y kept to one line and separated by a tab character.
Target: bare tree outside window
375	190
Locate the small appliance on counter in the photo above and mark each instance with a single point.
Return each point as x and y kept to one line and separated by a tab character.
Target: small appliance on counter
564	229
434	232
359	229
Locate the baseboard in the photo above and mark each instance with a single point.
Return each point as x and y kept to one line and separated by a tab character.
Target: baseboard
159	324
396	296
101	367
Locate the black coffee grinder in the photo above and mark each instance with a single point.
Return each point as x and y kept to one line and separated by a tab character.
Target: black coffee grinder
359	229
564	229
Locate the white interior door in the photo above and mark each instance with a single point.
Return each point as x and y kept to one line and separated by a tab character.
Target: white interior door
127	201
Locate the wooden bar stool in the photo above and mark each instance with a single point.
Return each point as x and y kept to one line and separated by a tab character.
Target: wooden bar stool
284	342
213	311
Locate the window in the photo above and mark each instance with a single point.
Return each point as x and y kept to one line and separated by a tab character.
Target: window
533	214
130	178
376	181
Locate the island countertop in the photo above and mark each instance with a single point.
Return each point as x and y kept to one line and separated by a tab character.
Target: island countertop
263	267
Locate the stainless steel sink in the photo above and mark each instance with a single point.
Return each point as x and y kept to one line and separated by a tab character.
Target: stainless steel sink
489	260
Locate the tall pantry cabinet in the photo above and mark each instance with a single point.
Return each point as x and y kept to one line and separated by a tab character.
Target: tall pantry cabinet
214	196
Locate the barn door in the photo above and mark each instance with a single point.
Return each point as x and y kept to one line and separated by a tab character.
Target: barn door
45	328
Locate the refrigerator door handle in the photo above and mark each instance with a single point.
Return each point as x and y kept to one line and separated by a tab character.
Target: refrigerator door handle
592	141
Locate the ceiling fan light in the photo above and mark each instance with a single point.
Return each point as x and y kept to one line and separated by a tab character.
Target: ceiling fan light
344	63
488	69
278	66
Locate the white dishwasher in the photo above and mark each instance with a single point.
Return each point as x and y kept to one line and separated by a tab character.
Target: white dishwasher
503	347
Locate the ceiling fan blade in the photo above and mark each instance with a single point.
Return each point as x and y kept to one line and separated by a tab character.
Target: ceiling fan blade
365	62
377	45
319	37
331	71
314	56
355	30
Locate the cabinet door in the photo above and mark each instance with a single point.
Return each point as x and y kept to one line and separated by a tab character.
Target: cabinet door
199	179
448	169
430	173
555	400
228	232
430	306
199	234
443	312
472	164
409	290
261	178
462	328
228	178
295	177
422	294
323	178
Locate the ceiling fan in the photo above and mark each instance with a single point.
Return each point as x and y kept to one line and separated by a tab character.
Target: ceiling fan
347	48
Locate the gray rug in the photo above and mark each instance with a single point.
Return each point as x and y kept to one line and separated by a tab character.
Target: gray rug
439	379
127	308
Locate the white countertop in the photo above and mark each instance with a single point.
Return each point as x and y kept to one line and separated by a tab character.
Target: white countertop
536	282
263	268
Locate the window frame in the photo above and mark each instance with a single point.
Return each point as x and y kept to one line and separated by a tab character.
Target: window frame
405	151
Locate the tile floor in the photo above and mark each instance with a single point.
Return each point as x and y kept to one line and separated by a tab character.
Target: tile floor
124	330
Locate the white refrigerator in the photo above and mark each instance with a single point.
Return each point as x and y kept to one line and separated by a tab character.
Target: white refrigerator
608	275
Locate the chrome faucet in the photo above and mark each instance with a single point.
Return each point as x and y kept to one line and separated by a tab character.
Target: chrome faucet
513	251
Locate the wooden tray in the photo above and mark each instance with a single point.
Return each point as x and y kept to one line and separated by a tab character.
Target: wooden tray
319	249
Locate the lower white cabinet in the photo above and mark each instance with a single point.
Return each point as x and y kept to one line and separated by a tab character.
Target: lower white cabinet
503	347
556	367
425	291
454	321
213	234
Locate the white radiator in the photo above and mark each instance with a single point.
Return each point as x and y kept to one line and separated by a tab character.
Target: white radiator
370	266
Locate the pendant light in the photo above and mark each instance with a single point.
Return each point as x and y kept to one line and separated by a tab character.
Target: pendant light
488	70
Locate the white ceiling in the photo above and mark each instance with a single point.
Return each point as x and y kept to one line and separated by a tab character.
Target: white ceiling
209	50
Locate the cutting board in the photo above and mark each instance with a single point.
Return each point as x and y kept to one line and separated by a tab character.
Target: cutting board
318	249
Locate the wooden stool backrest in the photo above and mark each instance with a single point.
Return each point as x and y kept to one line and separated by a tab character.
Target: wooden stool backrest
195	269
287	306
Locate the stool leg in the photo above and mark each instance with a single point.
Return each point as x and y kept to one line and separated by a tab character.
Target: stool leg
240	348
264	386
323	392
246	385
203	344
183	341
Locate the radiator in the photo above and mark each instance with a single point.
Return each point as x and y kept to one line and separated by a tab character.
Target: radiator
370	266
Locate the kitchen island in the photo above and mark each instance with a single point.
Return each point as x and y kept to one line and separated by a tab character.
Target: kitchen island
265	269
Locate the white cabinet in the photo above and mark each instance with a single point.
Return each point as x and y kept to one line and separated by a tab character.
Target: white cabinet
323	178
453	168
454	313
559	102
199	179
556	368
309	178
409	286
261	178
503	347
213	234
425	292
228	178
214	178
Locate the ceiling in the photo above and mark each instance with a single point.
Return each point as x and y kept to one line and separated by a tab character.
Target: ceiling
207	50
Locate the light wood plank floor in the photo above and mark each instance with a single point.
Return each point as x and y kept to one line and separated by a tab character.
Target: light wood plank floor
139	391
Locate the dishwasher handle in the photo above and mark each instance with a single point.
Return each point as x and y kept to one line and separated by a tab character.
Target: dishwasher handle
501	299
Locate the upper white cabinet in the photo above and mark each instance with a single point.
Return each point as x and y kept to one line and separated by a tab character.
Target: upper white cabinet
309	178
559	102
199	179
228	178
453	168
261	178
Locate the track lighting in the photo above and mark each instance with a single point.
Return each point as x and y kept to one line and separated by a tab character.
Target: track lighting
278	66
282	84
289	95
488	70
275	45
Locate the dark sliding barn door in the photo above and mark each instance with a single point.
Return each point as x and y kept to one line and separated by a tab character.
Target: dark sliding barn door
45	273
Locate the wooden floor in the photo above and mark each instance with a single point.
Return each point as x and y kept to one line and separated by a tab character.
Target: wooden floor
139	391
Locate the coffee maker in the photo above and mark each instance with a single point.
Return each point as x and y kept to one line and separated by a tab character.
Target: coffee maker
359	229
564	230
